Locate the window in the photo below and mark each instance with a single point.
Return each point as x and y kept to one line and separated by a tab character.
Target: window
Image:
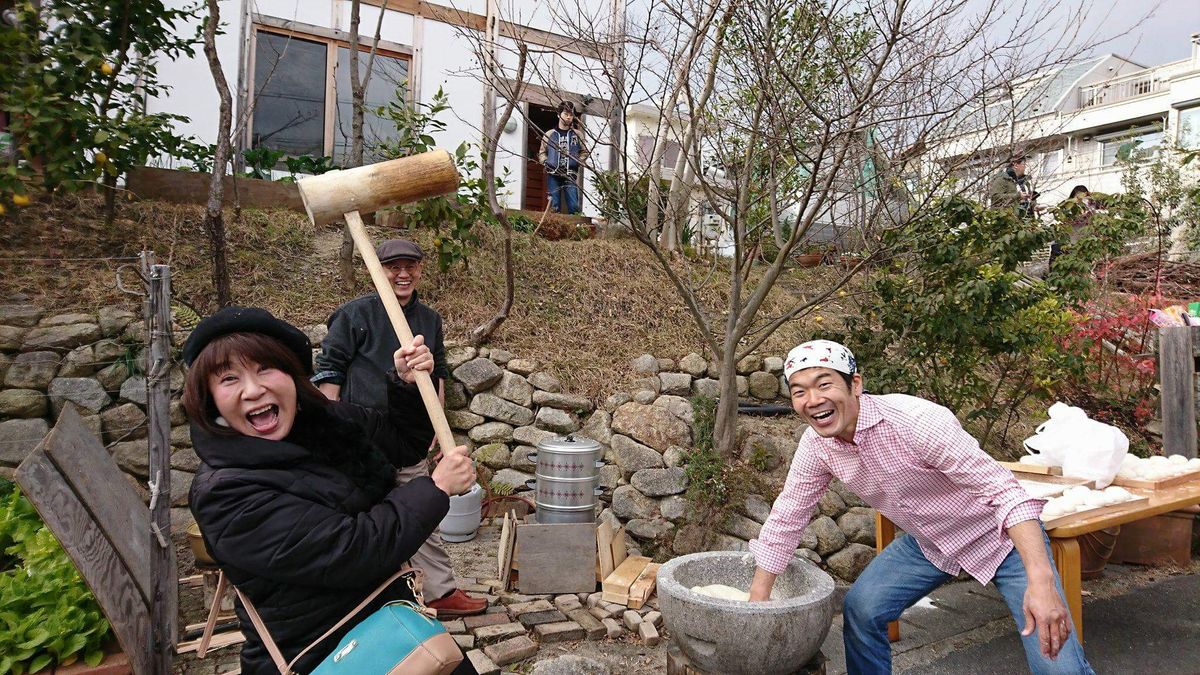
1137	144
389	76
304	100
1048	164
670	152
289	111
1189	128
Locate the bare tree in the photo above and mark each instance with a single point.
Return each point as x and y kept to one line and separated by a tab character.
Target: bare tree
214	219
358	92
785	114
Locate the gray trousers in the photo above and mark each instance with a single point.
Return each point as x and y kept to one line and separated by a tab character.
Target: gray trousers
431	558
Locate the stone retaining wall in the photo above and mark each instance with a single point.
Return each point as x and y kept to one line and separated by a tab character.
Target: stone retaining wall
500	406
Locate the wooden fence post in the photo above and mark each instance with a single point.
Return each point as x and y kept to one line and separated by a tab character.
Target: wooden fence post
1177	350
163	573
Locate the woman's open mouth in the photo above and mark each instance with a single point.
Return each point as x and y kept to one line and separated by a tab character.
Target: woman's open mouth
264	419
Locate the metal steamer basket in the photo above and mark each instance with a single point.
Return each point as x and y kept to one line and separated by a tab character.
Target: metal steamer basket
567	483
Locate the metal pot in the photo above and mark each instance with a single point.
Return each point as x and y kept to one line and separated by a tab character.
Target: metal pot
565	465
568	457
565	500
567	483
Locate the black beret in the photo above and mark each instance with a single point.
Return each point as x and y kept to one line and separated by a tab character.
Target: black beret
248	320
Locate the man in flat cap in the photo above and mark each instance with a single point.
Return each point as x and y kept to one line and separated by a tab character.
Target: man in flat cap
1012	188
352	366
961	512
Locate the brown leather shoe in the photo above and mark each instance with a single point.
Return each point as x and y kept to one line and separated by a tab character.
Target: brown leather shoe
458	603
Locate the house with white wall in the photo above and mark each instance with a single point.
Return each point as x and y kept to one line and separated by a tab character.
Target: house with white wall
289	62
1076	120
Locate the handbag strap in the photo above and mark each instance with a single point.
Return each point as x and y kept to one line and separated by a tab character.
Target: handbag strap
285	667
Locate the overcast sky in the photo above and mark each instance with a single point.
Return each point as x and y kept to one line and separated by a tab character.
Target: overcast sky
1159	38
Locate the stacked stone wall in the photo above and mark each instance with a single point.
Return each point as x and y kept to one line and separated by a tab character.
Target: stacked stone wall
499	405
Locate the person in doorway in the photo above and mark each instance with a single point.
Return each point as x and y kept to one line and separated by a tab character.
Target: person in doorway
561	152
296	495
352	366
961	511
1012	188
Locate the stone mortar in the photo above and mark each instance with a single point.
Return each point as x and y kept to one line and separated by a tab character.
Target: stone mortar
725	636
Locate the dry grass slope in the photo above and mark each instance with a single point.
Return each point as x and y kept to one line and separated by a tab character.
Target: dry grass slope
584	309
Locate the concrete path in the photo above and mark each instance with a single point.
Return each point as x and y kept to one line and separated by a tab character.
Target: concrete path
1137	621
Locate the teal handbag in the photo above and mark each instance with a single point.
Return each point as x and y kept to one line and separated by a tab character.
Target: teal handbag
402	637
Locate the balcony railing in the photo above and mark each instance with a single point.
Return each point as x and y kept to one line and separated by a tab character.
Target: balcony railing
1120	89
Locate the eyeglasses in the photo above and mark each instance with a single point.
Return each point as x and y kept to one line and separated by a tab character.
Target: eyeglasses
406	267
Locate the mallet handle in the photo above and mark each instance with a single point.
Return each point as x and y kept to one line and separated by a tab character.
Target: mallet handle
395	313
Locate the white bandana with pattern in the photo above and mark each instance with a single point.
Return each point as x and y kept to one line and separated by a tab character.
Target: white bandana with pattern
819	354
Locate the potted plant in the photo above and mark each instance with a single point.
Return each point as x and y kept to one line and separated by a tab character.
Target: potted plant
811	255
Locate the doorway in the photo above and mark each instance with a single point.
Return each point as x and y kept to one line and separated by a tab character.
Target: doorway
539	120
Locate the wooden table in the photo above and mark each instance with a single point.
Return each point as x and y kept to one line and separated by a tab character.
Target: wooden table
1064	539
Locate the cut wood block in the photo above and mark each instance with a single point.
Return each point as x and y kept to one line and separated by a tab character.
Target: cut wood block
505	553
1018	467
221	618
557	558
1157	484
641	590
219	640
618	548
616	586
604	541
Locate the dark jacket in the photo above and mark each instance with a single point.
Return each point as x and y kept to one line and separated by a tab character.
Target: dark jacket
358	350
302	538
560	151
1008	190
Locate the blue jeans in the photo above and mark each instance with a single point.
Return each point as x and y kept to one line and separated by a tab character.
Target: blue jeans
563	192
900	576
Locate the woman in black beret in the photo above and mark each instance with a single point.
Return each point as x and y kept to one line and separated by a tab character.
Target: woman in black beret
295	494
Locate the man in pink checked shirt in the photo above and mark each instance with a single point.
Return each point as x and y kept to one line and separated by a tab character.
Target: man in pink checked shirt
910	459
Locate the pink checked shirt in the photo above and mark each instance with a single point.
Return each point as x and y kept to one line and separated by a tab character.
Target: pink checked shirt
913	462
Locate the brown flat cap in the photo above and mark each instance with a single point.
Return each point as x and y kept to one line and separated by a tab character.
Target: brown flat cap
395	249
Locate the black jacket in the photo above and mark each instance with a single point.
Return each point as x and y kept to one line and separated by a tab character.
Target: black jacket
358	348
301	538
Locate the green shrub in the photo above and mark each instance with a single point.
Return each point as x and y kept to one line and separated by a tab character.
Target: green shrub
47	614
954	320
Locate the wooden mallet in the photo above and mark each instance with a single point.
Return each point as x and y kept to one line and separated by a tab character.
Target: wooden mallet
348	193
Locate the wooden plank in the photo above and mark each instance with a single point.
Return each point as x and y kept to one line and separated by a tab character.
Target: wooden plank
558	558
616	586
618	547
885	532
105	493
1067	560
641	590
98	563
1160	484
191	187
507	544
233	637
1092	513
1177	371
604	541
1018	467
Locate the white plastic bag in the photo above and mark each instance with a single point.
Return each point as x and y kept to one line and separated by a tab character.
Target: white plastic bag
1083	447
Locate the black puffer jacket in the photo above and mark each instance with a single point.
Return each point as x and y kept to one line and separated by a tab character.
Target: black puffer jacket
303	539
